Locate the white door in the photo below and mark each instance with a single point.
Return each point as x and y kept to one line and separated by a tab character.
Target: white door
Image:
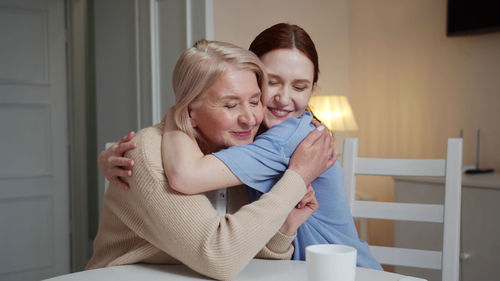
34	200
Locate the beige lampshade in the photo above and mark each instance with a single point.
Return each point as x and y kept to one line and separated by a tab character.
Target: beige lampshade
334	111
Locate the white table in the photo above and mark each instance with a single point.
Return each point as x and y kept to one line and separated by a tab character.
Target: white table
264	270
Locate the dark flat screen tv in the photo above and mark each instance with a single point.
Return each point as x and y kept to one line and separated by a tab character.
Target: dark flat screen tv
466	17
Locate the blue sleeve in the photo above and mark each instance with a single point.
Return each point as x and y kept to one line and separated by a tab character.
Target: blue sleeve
261	164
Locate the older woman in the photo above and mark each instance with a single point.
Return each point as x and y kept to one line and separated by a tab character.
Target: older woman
152	223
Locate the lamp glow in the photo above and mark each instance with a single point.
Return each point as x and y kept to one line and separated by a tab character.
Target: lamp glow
334	111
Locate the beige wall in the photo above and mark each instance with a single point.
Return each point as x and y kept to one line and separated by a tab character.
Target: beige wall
240	21
412	87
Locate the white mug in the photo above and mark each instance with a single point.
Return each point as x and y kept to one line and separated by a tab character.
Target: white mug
328	262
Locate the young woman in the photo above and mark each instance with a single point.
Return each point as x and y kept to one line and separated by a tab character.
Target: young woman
291	61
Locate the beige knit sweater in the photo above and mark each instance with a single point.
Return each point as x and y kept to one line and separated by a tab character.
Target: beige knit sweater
152	223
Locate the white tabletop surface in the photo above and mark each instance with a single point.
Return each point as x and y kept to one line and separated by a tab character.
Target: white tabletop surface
265	270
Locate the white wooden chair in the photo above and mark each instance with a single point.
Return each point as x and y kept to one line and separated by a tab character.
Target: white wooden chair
106	182
102	191
448	214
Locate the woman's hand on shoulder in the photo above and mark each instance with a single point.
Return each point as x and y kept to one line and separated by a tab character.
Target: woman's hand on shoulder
314	155
317	124
113	163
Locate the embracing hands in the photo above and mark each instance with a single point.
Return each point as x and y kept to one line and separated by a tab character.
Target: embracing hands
314	155
113	163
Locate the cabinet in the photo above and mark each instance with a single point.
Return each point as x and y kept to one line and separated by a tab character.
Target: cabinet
480	224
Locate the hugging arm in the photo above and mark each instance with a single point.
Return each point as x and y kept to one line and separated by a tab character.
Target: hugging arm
188	170
191	231
191	172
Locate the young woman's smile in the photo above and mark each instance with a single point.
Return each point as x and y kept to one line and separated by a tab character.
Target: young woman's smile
290	84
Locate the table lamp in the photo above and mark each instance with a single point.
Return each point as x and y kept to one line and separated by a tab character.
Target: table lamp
335	112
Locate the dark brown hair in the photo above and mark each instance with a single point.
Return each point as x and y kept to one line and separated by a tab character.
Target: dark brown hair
286	36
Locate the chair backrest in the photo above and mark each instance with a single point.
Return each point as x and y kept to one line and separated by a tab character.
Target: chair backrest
106	182
448	214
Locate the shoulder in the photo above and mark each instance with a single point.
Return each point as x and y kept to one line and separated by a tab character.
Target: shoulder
291	132
147	154
152	133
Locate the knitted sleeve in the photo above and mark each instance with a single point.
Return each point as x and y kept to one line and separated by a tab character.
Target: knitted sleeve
189	229
279	247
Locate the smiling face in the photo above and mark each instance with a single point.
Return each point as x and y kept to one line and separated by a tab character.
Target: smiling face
290	85
229	112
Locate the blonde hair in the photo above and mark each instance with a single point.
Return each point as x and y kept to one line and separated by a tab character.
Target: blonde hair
199	67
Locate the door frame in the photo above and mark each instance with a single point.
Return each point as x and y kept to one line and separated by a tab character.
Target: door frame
82	128
199	23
